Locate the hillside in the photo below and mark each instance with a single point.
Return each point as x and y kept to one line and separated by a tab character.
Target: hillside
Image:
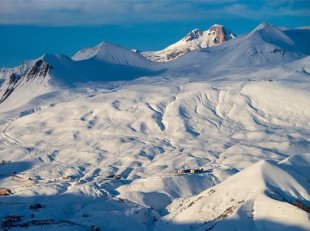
264	196
216	139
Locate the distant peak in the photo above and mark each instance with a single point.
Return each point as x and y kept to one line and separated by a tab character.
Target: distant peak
270	33
105	43
222	30
93	51
263	26
46	57
194	40
217	26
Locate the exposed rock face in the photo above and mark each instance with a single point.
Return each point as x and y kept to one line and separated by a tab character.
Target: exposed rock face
13	78
177	53
216	35
193	35
38	71
195	40
220	34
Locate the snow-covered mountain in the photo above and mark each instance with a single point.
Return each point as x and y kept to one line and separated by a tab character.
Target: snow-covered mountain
114	54
265	45
195	40
105	62
217	139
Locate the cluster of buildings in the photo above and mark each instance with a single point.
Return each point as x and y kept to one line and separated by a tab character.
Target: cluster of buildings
189	171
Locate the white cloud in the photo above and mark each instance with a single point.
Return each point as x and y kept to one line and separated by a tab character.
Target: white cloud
92	12
265	11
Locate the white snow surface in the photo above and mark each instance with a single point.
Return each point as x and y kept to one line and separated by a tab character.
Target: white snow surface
263	196
96	139
194	40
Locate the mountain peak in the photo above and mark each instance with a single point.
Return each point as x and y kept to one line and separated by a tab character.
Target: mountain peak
105	44
217	27
265	26
271	33
194	40
94	51
221	32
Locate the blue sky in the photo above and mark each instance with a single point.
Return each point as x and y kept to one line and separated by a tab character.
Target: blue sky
29	28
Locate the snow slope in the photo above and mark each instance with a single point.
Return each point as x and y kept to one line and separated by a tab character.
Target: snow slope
158	192
93	151
113	54
257	198
265	46
77	139
107	63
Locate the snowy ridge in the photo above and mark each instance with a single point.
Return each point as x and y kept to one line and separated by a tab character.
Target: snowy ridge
195	40
114	54
264	46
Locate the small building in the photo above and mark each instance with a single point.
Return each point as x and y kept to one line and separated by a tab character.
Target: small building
196	170
112	176
183	171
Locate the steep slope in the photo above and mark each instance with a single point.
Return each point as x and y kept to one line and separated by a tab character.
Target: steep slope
24	83
195	40
265	196
110	63
265	46
114	54
105	62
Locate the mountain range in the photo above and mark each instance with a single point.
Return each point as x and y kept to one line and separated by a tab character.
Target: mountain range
265	45
210	133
